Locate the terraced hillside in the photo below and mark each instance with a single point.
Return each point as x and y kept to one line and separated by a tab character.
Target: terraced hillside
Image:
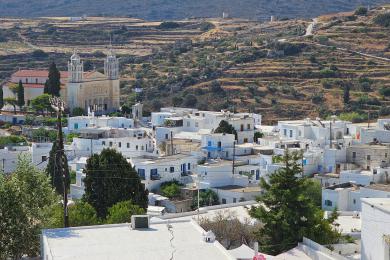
273	68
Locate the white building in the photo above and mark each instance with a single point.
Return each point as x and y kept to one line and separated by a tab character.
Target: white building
154	171
81	122
161	240
37	152
347	196
375	243
233	193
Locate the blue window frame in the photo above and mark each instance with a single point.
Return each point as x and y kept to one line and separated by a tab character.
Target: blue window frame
209	143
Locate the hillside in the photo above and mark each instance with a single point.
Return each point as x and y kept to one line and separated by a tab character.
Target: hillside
271	68
179	9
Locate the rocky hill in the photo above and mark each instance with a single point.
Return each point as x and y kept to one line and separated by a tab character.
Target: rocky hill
179	9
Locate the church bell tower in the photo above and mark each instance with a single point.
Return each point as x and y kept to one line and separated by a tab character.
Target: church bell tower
75	68
111	66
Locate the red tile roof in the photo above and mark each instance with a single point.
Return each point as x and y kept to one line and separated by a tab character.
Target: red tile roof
37	73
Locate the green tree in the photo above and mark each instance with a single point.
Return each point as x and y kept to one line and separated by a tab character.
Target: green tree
361	10
287	213
257	136
206	198
125	109
20	94
41	103
170	189
111	179
1	98
54	81
11	101
122	211
26	197
190	100
225	128
346	97
313	190
57	180
78	111
80	214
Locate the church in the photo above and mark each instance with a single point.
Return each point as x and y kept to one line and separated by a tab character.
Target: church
89	90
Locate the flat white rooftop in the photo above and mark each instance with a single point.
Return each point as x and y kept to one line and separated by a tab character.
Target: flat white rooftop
121	242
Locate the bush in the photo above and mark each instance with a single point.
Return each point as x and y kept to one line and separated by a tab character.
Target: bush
382	19
190	100
170	189
122	211
317	98
384	91
12	139
353	117
361	10
78	111
206	26
168	25
39	54
327	73
44	134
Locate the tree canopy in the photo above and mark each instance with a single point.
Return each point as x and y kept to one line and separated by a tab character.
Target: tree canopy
122	211
287	213
41	103
11	101
26	197
111	179
225	128
206	198
80	214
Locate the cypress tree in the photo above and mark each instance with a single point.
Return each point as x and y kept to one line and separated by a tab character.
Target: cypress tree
20	94
53	171
1	98
53	83
288	213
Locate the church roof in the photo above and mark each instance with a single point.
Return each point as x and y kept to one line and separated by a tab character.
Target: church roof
37	73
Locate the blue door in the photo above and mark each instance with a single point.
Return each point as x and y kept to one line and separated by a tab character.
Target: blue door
257	174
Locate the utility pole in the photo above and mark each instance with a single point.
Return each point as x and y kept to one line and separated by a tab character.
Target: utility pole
59	105
368	119
330	135
234	155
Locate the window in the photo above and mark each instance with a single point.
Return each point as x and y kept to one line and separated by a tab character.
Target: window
354	201
368	157
242	127
209	143
110	144
188	166
36	81
171	169
219	144
105	106
44	158
234	200
103	143
136	147
166	136
291	133
223	201
141	173
354	155
285	132
328	203
257	175
245	140
120	144
76	126
128	145
249	126
26	80
142	147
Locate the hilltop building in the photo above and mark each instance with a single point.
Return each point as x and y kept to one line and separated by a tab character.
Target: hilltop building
89	90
